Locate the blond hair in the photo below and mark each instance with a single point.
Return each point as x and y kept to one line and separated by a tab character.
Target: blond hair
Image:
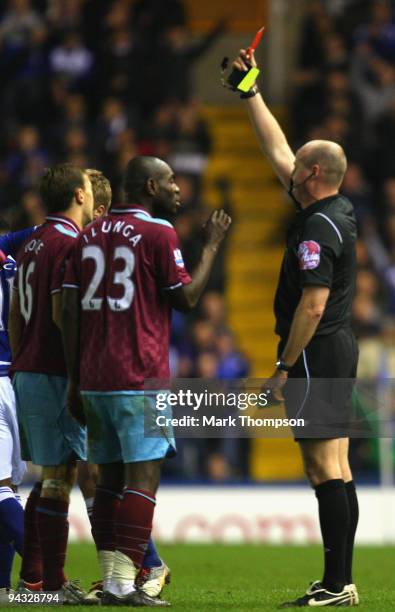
101	188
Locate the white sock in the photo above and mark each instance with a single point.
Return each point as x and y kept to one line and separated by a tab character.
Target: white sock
120	588
106	562
123	575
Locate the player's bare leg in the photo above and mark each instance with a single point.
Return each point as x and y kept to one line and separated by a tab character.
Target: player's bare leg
58	481
143	474
87	479
133	531
354	512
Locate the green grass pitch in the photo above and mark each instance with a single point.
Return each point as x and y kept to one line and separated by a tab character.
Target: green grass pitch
217	578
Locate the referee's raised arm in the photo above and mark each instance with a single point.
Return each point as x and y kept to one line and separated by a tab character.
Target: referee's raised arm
271	137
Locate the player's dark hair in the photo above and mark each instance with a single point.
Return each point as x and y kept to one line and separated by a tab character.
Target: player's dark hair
137	173
58	185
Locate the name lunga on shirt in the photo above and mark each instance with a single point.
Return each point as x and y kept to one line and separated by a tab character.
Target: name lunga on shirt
110	227
240	420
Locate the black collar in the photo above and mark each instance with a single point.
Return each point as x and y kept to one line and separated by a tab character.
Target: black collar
318	206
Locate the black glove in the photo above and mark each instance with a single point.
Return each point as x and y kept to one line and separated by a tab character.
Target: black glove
242	81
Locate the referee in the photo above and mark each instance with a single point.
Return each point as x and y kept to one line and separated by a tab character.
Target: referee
313	313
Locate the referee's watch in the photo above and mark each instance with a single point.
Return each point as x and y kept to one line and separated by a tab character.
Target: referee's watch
282	366
250	93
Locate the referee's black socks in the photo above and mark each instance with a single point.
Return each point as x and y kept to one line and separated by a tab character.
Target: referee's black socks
354	516
334	513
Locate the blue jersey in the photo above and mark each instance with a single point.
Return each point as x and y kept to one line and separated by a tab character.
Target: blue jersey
10	245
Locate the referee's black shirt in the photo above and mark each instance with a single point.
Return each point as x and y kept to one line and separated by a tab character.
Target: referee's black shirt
321	250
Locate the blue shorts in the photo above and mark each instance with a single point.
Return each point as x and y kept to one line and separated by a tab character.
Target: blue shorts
117	428
49	435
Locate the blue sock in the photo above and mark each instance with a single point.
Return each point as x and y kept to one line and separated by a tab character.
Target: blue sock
11	518
7	552
151	558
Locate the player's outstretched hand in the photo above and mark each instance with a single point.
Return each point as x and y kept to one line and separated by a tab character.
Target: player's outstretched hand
216	227
74	403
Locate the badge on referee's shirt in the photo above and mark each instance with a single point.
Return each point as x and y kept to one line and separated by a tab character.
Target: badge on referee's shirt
309	253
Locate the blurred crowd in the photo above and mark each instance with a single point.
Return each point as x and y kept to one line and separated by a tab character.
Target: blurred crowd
344	90
95	83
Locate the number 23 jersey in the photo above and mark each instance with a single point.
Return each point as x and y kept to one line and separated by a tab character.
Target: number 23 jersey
124	265
41	266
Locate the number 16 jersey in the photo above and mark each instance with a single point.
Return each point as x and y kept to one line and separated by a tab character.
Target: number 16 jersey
124	265
41	265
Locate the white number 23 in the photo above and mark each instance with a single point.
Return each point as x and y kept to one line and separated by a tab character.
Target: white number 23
123	277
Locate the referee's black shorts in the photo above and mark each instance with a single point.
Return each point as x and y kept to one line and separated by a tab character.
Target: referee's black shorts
320	385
